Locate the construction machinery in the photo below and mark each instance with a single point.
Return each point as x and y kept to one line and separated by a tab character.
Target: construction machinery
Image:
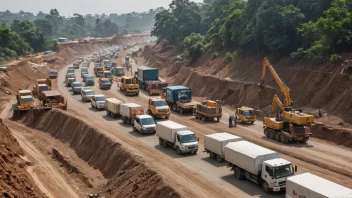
128	86
53	99
41	85
25	102
285	124
148	79
245	115
158	108
179	98
208	110
99	71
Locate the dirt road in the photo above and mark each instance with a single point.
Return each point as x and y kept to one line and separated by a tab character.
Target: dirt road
314	157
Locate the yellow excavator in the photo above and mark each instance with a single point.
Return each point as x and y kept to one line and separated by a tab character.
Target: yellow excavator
285	124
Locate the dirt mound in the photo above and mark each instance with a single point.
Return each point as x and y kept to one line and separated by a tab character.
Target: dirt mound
128	175
14	181
339	136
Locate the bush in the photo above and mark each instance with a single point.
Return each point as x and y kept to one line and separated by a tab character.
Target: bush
228	57
195	45
214	55
336	58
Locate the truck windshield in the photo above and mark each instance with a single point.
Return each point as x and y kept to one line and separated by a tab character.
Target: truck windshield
248	113
147	121
77	85
70	71
84	70
188	138
91	78
108	75
25	100
120	71
160	103
129	81
100	69
283	171
44	88
90	93
53	73
100	98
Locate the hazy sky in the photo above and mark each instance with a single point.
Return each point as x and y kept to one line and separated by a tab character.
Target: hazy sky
66	7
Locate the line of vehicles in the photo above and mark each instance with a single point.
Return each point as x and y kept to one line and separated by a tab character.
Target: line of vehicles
247	160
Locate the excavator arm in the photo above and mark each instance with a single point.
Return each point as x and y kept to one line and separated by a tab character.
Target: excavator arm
284	89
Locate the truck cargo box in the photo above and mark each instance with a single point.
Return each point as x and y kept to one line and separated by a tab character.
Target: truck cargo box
311	186
113	105
130	110
208	110
167	129
147	74
248	156
216	142
178	93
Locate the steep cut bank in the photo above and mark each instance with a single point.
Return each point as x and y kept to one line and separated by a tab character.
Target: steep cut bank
129	176
14	180
235	84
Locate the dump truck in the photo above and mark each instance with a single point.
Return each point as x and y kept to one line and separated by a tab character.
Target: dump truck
25	100
37	90
307	185
148	80
144	124
129	111
53	99
285	124
245	115
214	144
128	86
179	98
259	165
112	107
104	83
46	81
158	108
176	136
208	110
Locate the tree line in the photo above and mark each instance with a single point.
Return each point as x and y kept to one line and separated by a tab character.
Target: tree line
309	30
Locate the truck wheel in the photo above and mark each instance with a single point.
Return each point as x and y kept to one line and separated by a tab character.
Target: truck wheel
238	174
252	122
107	112
217	119
212	155
181	111
112	115
197	116
203	118
266	187
277	137
174	107
266	132
91	105
272	135
178	150
134	129
164	143
219	158
304	140
283	138
160	142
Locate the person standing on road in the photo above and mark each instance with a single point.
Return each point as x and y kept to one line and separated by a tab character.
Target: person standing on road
230	121
235	120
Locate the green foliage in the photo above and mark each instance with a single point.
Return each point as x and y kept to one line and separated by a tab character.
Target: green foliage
228	57
214	55
336	58
195	45
11	45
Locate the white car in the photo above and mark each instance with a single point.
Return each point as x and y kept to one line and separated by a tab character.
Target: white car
87	94
98	102
144	124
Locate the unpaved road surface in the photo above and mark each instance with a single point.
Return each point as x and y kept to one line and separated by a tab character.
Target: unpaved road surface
318	157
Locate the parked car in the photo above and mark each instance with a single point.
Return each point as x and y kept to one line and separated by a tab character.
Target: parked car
98	102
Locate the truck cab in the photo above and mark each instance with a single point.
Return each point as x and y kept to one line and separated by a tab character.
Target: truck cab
246	115
158	108
128	85
186	141
104	83
99	71
118	71
144	124
25	99
108	75
77	87
87	94
275	172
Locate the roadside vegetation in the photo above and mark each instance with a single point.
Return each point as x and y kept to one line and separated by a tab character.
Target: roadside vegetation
309	30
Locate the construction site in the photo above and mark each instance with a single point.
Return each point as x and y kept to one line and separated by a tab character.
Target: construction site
56	144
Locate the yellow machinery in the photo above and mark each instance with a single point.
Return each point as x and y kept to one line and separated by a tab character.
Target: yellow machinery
99	71
158	108
128	86
53	99
25	100
285	124
208	110
245	115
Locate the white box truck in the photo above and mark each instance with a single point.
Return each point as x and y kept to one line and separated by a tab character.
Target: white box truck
259	165
129	111
112	107
307	185
176	136
214	144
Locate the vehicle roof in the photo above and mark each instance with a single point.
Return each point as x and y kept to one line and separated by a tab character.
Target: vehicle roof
277	162
126	77
322	186
42	85
107	71
143	116
246	108
132	105
71	78
249	149
99	95
53	70
24	91
224	136
84	68
157	99
51	93
171	124
185	132
28	96
104	79
178	87
86	89
114	100
77	83
146	68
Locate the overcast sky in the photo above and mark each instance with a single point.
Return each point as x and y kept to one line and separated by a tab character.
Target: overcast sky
69	7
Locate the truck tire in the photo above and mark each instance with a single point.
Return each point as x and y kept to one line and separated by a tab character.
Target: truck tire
277	137
203	118
178	150
180	110
91	105
212	155
112	115
266	187
266	133
252	122
304	141
217	119
134	129
107	112
160	142
164	143
272	135
219	158
283	138
174	107
238	173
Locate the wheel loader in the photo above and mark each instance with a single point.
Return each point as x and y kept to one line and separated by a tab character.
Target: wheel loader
25	102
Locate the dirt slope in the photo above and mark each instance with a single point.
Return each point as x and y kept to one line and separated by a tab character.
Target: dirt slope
235	84
14	181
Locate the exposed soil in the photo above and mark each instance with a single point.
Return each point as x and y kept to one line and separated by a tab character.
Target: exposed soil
235	84
14	181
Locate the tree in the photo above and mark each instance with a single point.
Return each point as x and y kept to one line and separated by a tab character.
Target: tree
45	26
195	45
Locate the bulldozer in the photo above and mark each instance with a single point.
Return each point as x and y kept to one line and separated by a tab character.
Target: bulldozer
245	115
284	123
53	99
